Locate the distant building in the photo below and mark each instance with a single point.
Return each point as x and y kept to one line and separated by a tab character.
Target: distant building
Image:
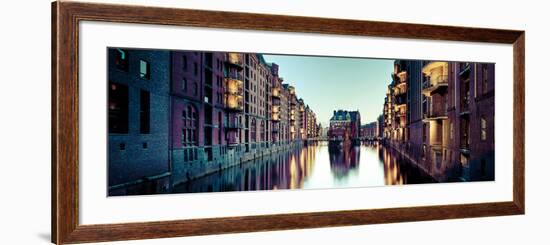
344	129
370	131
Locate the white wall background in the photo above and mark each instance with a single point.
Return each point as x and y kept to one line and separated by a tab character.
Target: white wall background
25	121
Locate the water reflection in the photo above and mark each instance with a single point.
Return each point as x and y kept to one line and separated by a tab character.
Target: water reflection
313	167
344	160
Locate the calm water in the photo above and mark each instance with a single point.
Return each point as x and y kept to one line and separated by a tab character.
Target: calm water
313	167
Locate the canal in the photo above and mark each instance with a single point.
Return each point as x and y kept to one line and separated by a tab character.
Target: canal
313	167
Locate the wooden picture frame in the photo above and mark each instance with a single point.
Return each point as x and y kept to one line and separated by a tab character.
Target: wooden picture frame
65	121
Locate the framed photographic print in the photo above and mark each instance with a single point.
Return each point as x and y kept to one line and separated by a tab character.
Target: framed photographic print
175	122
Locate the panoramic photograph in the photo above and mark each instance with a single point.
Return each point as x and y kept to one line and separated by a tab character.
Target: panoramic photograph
184	121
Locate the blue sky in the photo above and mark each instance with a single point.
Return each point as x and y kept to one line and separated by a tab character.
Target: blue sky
331	83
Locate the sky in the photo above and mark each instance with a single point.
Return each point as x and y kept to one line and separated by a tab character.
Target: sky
331	83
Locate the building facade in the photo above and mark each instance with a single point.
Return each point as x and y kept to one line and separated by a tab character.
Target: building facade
370	131
449	122
138	118
344	129
180	115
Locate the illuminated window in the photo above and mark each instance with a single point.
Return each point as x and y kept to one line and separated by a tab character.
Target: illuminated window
483	128
144	69
121	59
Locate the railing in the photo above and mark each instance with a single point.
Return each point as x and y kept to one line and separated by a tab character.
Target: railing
235	76
464	146
435	113
399	113
276	92
275	116
402	76
435	82
234	102
399	91
235	59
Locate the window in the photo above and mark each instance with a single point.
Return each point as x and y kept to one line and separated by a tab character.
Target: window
484	78
183	136
195	88
483	129
253	130
196	68
118	108
424	132
121	59
452	131
184	62
189	127
144	112
144	69
220	128
184	85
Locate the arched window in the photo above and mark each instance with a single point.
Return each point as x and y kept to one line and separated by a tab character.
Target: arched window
189	126
262	138
253	130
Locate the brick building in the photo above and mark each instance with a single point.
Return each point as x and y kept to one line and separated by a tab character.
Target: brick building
179	115
449	127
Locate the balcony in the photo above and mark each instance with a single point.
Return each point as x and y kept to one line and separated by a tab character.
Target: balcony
275	113
235	59
275	117
293	101
400	90
435	110
435	115
435	84
402	76
399	113
291	90
465	146
292	117
234	86
276	92
236	76
234	102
